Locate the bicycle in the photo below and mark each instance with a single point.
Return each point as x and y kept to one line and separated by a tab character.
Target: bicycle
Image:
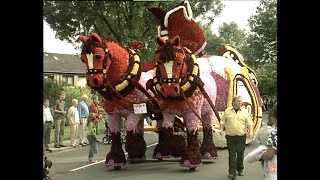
107	138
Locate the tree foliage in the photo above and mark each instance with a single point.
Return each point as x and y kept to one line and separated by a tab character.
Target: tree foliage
267	86
123	21
73	92
263	35
51	90
213	41
261	52
228	33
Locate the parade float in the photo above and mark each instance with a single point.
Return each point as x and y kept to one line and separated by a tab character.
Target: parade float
116	73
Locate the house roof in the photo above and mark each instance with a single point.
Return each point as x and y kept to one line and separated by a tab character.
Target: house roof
63	63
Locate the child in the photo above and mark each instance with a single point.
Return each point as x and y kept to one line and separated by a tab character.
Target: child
92	137
269	157
263	136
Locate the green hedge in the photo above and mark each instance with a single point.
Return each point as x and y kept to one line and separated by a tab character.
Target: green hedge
51	91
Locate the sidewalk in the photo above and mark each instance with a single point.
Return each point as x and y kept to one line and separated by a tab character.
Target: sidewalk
68	144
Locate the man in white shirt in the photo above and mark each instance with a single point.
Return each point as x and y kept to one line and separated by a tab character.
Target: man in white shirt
47	124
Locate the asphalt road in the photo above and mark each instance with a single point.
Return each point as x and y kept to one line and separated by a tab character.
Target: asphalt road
72	164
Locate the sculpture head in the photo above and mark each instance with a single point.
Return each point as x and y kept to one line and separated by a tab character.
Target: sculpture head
172	67
95	55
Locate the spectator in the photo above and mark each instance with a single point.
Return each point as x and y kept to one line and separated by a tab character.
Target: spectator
263	104
266	103
264	132
74	121
236	121
270	103
60	120
83	114
263	139
270	155
92	138
47	124
93	108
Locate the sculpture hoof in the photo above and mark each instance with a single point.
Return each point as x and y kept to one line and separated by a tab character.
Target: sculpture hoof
136	160
208	156
160	157
187	164
111	163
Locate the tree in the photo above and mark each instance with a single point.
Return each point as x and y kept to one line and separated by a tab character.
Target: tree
123	21
51	90
262	38
228	33
73	92
232	34
213	41
261	51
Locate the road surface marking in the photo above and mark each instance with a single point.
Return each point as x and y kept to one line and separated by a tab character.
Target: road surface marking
82	167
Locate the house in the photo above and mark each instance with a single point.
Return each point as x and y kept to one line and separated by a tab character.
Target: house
66	68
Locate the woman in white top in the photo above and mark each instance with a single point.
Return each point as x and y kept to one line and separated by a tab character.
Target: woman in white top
74	121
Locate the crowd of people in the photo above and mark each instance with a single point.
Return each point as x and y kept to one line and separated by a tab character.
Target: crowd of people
268	102
83	120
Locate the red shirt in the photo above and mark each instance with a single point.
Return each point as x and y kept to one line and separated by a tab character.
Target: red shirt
94	109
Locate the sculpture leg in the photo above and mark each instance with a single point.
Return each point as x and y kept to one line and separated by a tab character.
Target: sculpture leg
191	157
162	150
136	146
169	144
208	150
116	156
178	146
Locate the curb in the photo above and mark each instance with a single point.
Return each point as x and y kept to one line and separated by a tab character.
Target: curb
67	143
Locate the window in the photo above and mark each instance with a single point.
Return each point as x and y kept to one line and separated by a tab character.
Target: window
81	77
82	81
50	76
68	79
